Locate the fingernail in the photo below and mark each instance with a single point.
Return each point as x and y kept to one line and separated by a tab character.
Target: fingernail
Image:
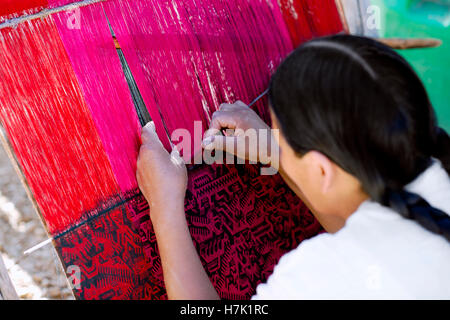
206	142
150	125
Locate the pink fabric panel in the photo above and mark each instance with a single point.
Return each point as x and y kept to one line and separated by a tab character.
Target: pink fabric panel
99	72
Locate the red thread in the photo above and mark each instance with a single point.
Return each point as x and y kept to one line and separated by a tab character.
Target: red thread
307	19
12	8
49	125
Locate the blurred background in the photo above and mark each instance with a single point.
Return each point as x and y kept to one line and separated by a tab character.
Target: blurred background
423	19
40	276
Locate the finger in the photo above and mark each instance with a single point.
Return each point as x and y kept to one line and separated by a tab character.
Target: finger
150	126
228	132
227	144
147	132
149	136
229	107
224	120
212	132
241	104
224	106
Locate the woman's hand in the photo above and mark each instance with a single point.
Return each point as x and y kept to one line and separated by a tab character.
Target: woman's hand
162	177
236	119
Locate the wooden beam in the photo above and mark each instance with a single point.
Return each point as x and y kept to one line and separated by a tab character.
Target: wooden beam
341	11
4	140
410	43
7	290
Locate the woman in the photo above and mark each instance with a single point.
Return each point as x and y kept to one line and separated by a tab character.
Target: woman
359	144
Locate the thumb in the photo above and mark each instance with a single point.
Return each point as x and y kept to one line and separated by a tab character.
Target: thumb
149	136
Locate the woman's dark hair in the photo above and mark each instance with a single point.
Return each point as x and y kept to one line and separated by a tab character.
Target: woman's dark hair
362	105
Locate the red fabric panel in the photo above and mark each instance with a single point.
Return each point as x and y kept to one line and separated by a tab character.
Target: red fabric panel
50	126
307	19
8	7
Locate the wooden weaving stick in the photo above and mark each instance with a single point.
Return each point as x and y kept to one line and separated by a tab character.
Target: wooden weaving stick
410	43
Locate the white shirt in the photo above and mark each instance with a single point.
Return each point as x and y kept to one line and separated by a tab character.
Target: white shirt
377	255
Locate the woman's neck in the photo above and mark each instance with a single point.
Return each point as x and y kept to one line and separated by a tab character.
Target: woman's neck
344	206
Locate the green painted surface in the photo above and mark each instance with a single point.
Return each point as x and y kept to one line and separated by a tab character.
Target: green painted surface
423	19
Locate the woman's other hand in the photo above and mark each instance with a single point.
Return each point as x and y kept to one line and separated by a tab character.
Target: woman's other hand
236	119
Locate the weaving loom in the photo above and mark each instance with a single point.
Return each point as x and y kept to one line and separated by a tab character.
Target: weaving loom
69	118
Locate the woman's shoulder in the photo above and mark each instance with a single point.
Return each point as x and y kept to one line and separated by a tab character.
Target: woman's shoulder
378	254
